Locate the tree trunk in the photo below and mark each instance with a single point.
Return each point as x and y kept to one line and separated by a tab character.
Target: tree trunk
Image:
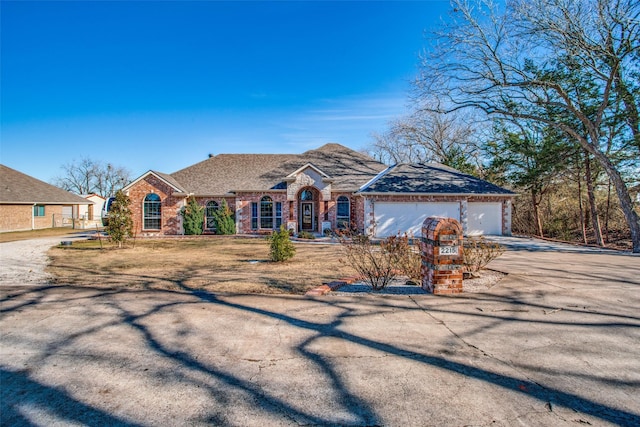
606	214
583	224
595	220
632	217
536	213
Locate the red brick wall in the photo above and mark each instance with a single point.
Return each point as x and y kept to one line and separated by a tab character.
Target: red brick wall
243	210
231	202
171	220
290	210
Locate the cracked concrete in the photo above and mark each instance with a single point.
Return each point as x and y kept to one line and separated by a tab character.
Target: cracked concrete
556	343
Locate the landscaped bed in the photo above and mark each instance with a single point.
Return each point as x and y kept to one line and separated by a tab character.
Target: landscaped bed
216	264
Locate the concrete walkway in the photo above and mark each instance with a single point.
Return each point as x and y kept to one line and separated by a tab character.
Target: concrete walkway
556	343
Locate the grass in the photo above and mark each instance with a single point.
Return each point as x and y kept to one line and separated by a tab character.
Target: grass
236	265
13	236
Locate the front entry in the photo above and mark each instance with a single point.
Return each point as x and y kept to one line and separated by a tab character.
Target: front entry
306	216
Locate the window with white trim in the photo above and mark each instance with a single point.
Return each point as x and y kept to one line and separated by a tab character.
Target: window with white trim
343	216
152	212
266	212
266	215
278	215
254	216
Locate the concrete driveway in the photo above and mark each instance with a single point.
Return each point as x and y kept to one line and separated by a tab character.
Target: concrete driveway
556	343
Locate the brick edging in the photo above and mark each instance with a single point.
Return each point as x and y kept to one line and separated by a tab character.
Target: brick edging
325	288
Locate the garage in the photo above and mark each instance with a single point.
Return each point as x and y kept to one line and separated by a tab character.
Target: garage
484	218
401	198
391	218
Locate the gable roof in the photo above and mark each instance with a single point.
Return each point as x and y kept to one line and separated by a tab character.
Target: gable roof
431	178
294	174
19	188
169	180
166	178
229	173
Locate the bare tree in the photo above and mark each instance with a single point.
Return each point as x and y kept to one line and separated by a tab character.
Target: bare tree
86	176
564	63
427	136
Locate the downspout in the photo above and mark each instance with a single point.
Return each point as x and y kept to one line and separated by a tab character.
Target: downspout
33	216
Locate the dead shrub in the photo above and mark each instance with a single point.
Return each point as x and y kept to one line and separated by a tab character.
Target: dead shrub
379	264
372	262
478	252
406	257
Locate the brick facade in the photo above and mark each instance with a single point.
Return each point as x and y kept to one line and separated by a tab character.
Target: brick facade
170	206
325	210
20	218
15	217
362	208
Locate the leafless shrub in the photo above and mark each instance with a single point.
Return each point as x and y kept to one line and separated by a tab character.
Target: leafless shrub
371	261
378	264
406	257
478	252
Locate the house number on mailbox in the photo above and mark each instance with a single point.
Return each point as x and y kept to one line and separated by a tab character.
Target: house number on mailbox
448	250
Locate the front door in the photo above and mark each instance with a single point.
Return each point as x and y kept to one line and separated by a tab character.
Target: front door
307	216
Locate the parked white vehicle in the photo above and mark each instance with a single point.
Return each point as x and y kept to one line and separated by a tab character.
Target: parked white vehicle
105	211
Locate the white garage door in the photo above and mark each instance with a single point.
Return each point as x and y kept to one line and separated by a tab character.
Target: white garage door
484	218
392	218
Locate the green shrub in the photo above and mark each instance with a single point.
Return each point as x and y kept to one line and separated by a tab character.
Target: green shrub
192	217
306	235
120	225
225	223
281	247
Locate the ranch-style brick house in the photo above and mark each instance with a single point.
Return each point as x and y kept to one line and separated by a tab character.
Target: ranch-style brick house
330	187
26	203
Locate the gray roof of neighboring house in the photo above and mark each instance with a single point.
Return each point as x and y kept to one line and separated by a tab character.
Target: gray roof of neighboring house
19	188
432	178
227	173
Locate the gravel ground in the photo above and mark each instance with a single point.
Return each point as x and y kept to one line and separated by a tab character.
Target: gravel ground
23	262
486	280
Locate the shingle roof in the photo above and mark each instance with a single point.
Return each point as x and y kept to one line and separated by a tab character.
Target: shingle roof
430	178
170	180
227	173
19	188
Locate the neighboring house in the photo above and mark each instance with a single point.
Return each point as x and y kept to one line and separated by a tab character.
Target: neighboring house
26	203
89	215
328	188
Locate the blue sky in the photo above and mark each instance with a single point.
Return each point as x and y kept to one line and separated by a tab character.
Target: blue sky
160	85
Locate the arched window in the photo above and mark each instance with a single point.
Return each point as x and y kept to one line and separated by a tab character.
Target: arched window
266	212
343	217
152	212
306	195
209	213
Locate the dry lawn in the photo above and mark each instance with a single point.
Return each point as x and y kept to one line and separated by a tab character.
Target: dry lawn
13	236
236	265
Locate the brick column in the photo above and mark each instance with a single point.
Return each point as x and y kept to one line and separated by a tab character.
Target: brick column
441	248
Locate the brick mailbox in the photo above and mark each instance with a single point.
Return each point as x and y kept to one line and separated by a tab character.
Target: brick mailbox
442	256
